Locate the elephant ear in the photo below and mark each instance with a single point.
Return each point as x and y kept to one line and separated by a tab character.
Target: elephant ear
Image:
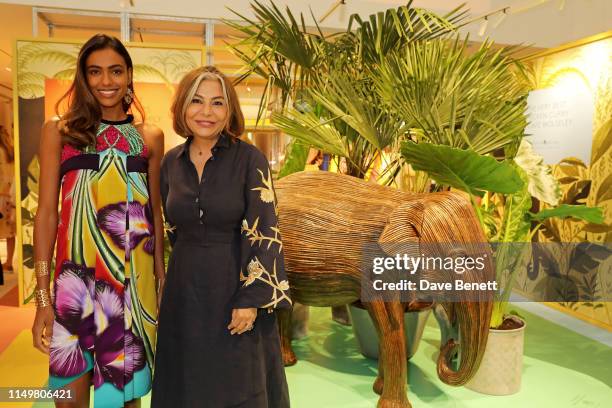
402	234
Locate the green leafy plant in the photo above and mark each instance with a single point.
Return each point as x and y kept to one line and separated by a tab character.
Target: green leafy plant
296	155
450	97
474	174
320	87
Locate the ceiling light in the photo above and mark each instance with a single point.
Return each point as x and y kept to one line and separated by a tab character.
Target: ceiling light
483	26
333	8
8	69
501	18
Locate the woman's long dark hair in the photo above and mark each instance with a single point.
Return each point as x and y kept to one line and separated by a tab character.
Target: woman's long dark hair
83	114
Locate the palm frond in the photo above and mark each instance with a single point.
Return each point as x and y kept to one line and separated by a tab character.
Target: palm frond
66	74
351	100
311	131
147	72
31	91
386	31
454	99
47	56
26	51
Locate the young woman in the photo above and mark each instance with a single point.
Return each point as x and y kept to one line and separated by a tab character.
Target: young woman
218	338
99	327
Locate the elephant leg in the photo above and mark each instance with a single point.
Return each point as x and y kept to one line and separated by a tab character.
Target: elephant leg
379	382
393	369
284	328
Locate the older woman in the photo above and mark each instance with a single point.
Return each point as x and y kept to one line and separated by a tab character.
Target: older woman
218	339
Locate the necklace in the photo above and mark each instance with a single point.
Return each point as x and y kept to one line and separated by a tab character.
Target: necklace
198	149
200	152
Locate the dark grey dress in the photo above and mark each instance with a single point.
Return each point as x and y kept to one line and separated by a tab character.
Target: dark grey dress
226	254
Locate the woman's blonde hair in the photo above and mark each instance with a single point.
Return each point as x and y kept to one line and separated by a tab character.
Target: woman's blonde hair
187	88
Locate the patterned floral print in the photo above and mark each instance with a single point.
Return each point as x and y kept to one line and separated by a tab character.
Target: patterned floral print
112	220
119	353
104	287
73	329
256	271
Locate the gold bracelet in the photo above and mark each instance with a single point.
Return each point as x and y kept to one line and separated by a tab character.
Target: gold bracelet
41	268
42	298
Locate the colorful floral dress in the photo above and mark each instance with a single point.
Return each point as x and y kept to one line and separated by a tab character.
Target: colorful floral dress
104	288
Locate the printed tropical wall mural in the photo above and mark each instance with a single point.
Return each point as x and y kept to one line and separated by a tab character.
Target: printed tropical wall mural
589	68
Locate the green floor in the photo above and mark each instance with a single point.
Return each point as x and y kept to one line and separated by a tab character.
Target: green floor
561	369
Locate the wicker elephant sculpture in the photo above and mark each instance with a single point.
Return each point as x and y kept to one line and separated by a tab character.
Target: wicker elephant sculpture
327	219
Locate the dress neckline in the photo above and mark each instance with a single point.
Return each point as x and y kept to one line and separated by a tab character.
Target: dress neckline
127	120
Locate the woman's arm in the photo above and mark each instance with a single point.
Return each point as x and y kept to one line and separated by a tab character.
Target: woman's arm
45	226
264	284
154	139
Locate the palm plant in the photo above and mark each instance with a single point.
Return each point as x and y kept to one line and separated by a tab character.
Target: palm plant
454	99
290	56
348	120
325	90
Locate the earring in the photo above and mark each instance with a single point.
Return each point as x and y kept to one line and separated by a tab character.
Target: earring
129	96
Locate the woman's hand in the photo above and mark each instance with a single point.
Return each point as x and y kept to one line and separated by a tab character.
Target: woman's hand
42	330
242	320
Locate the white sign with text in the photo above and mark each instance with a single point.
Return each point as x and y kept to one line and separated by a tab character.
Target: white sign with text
561	123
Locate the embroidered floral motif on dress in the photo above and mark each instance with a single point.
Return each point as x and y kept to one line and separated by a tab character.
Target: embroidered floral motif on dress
266	192
256	271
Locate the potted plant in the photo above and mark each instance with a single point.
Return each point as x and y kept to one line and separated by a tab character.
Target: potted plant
514	181
500	370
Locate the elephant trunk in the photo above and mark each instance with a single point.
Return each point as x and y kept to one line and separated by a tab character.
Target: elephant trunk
451	229
472	319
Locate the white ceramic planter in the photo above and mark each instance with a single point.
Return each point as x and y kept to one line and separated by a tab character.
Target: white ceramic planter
501	368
